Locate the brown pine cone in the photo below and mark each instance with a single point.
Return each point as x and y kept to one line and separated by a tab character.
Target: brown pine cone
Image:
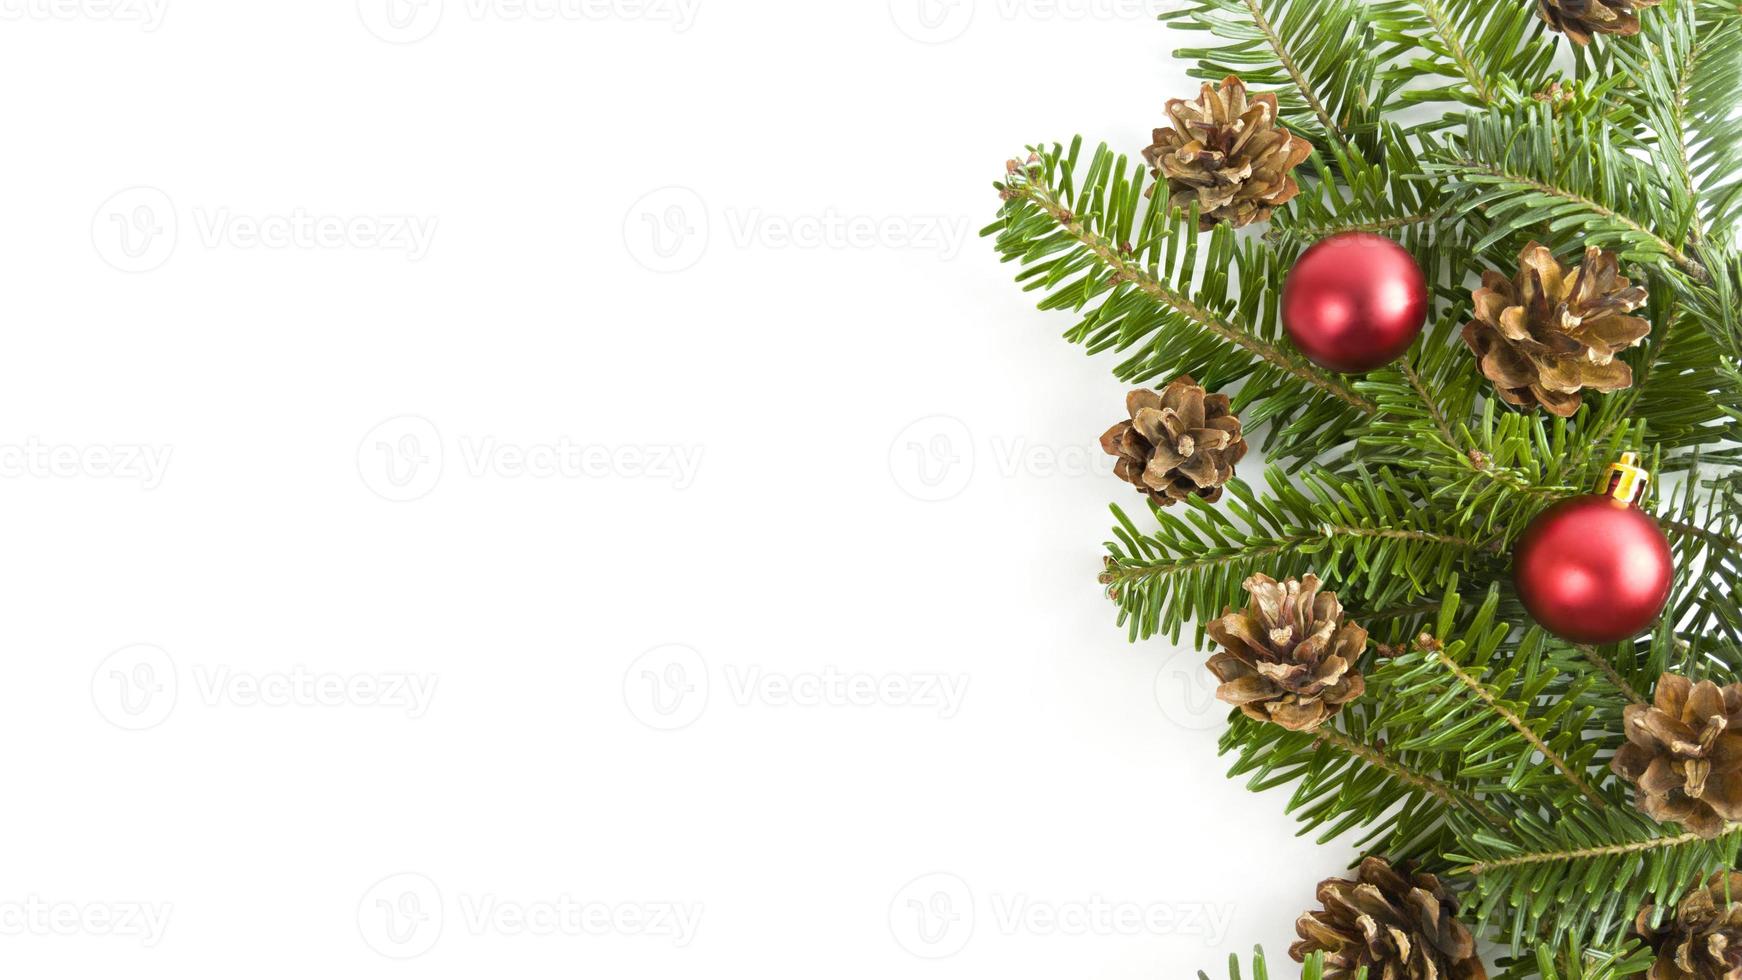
1288	657
1703	940
1551	332
1179	442
1579	19
1228	153
1399	925
1682	756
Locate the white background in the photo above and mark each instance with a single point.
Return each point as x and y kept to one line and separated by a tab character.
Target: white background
743	230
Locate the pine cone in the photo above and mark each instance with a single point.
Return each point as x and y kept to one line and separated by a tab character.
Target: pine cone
1399	925
1288	657
1551	332
1579	19
1177	443
1682	756
1703	940
1227	153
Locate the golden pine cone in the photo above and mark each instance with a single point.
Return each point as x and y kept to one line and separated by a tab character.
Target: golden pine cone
1579	19
1288	657
1399	925
1703	939
1179	442
1551	332
1682	755
1228	153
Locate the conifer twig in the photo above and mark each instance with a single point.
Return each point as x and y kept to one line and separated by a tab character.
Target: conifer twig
1605	850
1455	47
1125	573
1287	61
1511	718
1131	272
1448	795
1608	670
1691	267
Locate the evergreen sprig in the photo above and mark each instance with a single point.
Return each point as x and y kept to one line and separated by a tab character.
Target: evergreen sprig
1480	748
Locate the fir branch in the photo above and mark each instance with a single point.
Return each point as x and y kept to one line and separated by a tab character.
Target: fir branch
1287	61
1478	868
1193	567
1511	718
1695	531
1676	255
1608	671
1127	270
1126	573
1317	53
1449	795
1375	226
1442	26
1433	409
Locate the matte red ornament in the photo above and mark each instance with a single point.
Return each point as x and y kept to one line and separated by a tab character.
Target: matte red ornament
1595	569
1354	302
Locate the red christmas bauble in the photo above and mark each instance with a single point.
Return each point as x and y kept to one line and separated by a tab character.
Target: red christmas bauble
1354	302
1593	569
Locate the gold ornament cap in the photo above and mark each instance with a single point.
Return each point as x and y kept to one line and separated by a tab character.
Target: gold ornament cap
1625	480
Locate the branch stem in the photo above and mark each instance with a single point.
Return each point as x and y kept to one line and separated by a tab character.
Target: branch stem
1455	46
1607	850
1511	718
1676	255
1126	573
1448	795
1128	270
1262	22
1608	670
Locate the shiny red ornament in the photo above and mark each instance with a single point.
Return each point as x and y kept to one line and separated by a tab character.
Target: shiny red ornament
1354	302
1595	569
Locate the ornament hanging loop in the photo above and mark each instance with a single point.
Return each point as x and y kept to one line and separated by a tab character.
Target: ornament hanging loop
1625	480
